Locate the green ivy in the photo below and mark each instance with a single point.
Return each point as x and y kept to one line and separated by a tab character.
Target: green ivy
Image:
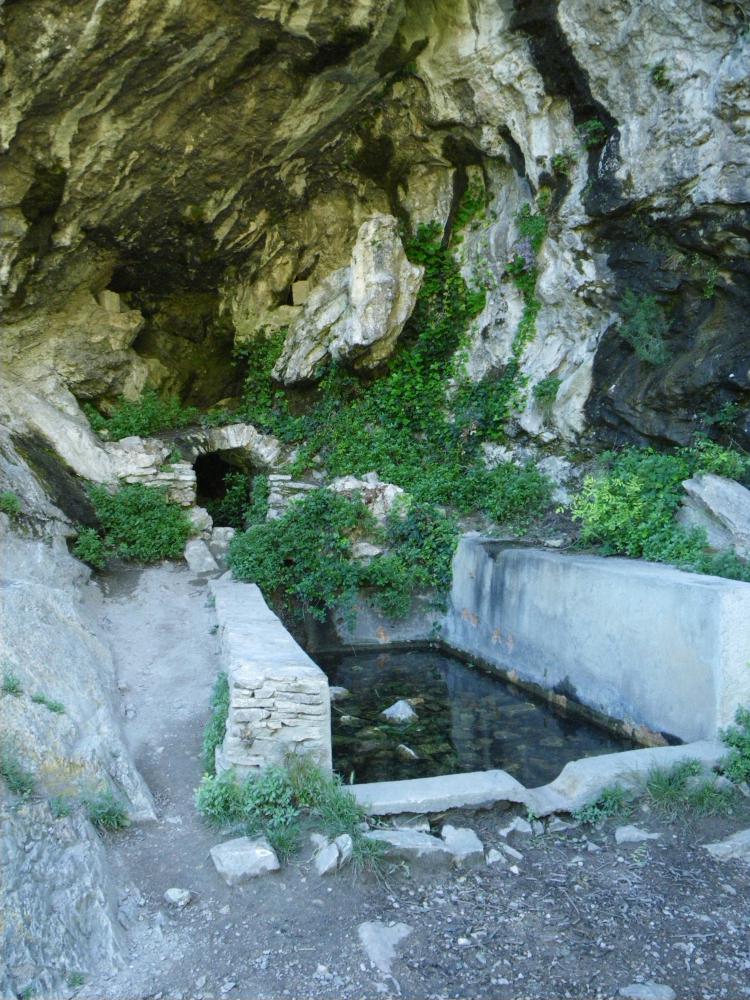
305	555
142	417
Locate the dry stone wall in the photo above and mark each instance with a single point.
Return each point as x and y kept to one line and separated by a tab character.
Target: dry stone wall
279	700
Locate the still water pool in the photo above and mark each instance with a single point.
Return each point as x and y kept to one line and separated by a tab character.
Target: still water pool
466	721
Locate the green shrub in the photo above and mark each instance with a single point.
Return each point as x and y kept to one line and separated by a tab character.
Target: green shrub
660	77
105	811
630	508
215	730
11	685
279	801
140	523
516	495
563	163
707	456
737	738
90	548
306	554
644	326
613	801
49	703
258	509
9	503
143	417
244	503
17	778
545	392
592	133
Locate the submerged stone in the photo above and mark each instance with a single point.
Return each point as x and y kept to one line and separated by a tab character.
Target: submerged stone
401	712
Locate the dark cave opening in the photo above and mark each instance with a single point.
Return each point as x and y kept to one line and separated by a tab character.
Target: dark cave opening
211	471
223	489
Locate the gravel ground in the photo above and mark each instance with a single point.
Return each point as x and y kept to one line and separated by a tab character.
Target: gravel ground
575	916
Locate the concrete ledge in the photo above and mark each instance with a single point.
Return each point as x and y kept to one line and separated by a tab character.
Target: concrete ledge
645	643
279	701
447	791
580	782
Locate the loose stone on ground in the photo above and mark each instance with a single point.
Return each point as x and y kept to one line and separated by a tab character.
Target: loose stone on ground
380	942
648	991
242	859
633	835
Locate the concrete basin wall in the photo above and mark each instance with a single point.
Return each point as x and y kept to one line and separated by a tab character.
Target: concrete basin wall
279	702
637	641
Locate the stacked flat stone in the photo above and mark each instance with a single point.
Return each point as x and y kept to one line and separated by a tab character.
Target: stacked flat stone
283	490
145	461
279	703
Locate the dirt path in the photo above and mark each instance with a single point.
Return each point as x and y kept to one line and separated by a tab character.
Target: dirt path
579	916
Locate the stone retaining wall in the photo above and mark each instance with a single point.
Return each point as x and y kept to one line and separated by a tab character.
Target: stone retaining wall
279	699
645	643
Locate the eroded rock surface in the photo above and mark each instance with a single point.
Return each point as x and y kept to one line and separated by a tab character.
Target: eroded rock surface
358	312
178	178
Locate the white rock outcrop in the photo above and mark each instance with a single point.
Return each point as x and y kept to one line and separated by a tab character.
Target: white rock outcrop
358	312
721	507
379	497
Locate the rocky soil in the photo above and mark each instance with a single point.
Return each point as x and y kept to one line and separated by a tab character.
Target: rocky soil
575	915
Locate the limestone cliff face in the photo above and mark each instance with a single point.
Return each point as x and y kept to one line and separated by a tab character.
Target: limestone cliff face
171	170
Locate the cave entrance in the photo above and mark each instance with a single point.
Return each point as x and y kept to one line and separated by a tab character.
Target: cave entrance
223	488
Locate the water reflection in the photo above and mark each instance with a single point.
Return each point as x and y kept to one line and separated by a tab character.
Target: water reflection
466	721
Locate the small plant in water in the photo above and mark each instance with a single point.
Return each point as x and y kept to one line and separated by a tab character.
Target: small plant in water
60	806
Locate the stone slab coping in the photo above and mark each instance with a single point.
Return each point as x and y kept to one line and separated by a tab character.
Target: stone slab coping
580	782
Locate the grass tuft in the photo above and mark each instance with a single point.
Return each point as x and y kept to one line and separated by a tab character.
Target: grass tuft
11	685
17	778
105	811
49	703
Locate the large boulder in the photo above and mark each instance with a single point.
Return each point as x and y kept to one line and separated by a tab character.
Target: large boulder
722	508
357	312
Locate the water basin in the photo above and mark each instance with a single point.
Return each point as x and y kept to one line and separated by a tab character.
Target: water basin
467	720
